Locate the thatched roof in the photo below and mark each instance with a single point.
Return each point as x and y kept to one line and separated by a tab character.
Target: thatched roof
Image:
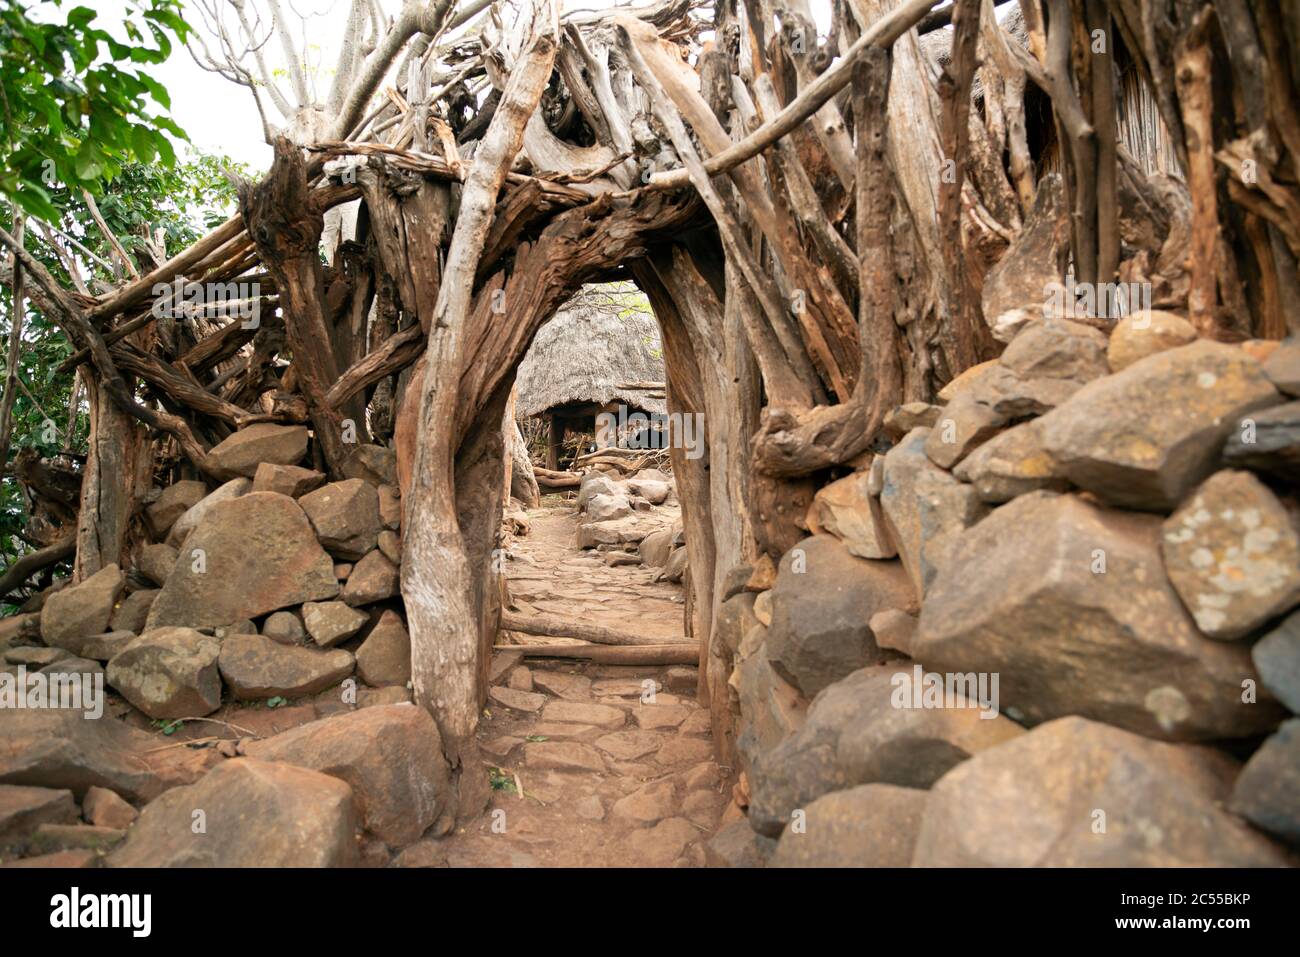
594	347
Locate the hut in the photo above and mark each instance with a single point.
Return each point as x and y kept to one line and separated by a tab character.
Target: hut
600	351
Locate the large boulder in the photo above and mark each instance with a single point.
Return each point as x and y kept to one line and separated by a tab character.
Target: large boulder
182	527
155	562
594	483
169	673
1069	602
925	508
290	480
61	748
255	667
248	556
821	606
390	755
243	451
173	502
771	709
874	825
1267	792
1277	656
83	609
867	729
1232	552
1077	793
345	516
604	508
132	611
1146	436
846	509
254	814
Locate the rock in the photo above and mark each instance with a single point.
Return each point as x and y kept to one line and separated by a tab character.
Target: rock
894	629
674	569
874	825
103	808
284	627
572	712
682	679
590	808
603	508
1119	646
1144	333
243	451
391	757
390	545
169	673
867	729
562	685
1232	552
521	679
646	805
1267	792
332	622
290	480
24	809
256	814
1034	802
655	548
1144	437
661	845
52	838
654	491
155	562
82	609
384	658
925	508
59	748
133	610
390	507
248	556
189	521
629	745
529	702
1282	367
1277	657
964	425
75	665
35	657
1057	349
376	464
846	509
1011	463
997	387
174	501
683	750
373	579
345	516
770	707
650	717
63	860
104	647
1270	442
821	606
255	667
563	756
737	845
734	618
594	483
908	416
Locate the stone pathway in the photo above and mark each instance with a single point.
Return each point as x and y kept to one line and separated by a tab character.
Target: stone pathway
593	765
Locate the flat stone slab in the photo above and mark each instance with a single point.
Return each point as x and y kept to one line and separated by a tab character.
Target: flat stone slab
527	701
569	687
563	756
653	717
601	715
679	751
629	745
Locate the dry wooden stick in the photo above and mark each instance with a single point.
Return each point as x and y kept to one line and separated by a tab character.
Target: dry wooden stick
551	627
686	653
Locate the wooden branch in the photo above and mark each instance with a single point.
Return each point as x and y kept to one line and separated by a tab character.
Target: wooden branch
17	314
679	654
27	566
108	235
550	627
398	351
1193	77
882	33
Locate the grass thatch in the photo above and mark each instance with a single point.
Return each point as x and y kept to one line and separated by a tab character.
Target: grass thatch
603	338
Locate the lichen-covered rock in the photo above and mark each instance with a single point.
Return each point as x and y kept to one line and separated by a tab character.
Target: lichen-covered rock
1070	604
248	556
1077	793
169	673
1011	463
1232	553
1144	437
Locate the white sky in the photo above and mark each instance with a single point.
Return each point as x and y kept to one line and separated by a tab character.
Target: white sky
219	116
